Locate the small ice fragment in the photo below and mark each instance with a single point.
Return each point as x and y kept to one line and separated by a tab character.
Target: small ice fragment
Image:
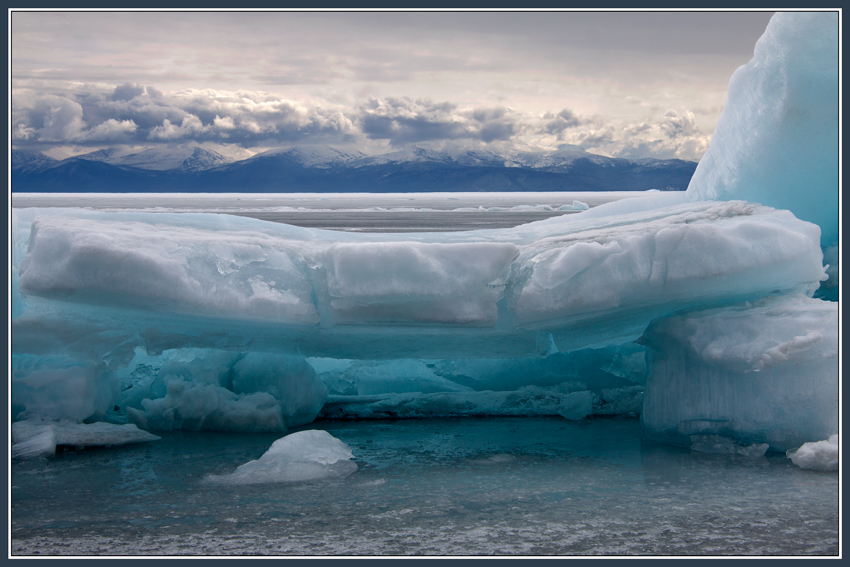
816	456
301	456
579	206
577	405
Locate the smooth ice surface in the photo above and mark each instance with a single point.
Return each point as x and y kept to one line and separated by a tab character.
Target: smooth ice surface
298	457
817	455
776	142
765	372
504	486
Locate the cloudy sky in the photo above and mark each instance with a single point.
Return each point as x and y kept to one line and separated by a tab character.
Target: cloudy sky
633	84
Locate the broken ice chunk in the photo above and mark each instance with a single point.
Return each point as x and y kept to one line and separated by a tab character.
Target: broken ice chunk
301	456
43	442
818	456
32	438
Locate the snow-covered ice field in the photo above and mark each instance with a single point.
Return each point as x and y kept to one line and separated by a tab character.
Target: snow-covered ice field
352	212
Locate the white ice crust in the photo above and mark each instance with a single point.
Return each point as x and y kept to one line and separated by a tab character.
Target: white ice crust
298	457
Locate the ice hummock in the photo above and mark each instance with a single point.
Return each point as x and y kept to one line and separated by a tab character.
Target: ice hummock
303	456
776	142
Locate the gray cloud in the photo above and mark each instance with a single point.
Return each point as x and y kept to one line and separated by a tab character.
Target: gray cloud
678	126
137	114
403	121
607	79
127	91
564	120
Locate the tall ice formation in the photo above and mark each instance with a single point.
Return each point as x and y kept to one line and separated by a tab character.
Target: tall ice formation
776	142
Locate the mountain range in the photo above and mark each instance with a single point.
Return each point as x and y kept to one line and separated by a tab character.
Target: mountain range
322	169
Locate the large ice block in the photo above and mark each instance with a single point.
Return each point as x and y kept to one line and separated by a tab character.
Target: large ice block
765	372
207	281
776	142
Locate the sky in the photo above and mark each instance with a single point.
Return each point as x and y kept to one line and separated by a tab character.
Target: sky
622	84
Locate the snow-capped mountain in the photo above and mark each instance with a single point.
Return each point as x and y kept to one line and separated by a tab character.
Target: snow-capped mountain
416	168
161	159
21	157
322	157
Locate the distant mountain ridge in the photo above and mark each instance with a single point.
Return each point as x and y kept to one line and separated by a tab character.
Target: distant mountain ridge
322	169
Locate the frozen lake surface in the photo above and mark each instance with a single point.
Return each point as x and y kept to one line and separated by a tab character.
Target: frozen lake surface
496	486
353	212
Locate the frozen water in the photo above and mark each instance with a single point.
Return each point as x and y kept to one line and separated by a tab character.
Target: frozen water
817	455
765	372
298	457
776	142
